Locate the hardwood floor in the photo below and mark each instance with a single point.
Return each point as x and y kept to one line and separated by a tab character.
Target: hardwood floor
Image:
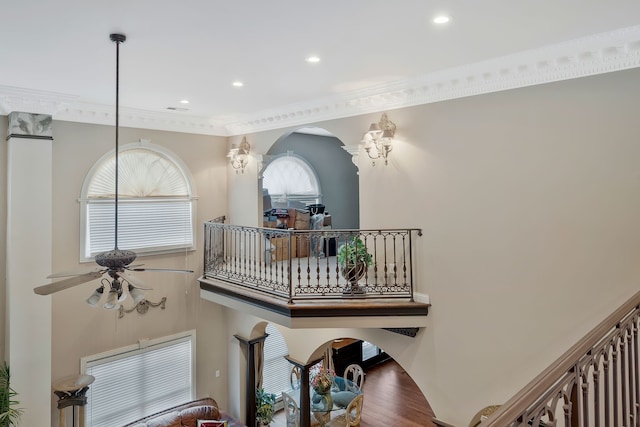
392	399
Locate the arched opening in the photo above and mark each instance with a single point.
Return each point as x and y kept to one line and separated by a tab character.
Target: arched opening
390	396
310	154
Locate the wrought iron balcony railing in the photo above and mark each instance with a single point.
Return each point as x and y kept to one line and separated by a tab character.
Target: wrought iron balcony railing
295	265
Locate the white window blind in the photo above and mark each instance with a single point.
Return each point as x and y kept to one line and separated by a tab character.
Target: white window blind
151	225
138	382
291	182
276	372
155	203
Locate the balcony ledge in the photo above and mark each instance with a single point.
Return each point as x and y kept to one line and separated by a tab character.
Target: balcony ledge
358	312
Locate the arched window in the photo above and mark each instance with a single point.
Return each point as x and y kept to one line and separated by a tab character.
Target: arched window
291	182
156	205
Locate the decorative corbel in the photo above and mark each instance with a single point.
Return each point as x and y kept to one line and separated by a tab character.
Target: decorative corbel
354	150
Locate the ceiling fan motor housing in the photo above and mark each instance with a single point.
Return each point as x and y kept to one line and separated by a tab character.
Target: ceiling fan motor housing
115	259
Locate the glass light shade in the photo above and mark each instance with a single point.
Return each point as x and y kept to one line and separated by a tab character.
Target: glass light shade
136	294
121	295
387	144
367	139
374	130
112	300
95	297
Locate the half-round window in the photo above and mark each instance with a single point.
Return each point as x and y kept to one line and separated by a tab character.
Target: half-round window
156	205
291	182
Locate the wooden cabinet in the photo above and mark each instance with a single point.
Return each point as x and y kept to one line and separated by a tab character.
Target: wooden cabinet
346	352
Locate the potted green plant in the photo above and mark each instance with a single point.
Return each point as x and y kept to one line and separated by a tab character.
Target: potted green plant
265	407
9	413
353	259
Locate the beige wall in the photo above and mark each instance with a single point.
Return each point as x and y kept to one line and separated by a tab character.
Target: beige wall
528	200
80	330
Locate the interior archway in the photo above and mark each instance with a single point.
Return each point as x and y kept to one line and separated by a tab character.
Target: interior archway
336	174
391	395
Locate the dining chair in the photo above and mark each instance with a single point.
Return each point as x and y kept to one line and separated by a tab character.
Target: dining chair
355	373
295	377
291	411
354	411
352	415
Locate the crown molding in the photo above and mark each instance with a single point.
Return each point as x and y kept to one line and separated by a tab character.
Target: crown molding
601	53
143	119
32	101
597	54
68	108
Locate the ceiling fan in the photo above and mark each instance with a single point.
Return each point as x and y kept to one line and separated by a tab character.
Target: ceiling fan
115	263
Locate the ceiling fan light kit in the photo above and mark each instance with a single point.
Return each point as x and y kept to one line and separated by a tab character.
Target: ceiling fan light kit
136	294
95	297
115	263
112	299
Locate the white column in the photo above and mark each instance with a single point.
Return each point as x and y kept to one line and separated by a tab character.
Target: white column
29	240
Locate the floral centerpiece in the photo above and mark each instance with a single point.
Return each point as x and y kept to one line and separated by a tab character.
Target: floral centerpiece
321	380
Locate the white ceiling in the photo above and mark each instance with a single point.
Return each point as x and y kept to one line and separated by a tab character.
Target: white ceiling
57	58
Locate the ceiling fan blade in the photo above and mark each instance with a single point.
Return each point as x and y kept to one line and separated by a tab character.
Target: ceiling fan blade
166	270
67	283
75	273
135	281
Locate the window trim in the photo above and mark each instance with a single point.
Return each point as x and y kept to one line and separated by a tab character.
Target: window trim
83	200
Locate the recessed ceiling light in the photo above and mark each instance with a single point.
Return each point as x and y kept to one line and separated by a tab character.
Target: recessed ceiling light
441	19
184	101
238	83
313	59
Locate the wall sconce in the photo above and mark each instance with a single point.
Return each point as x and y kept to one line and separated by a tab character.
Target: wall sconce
239	155
378	140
